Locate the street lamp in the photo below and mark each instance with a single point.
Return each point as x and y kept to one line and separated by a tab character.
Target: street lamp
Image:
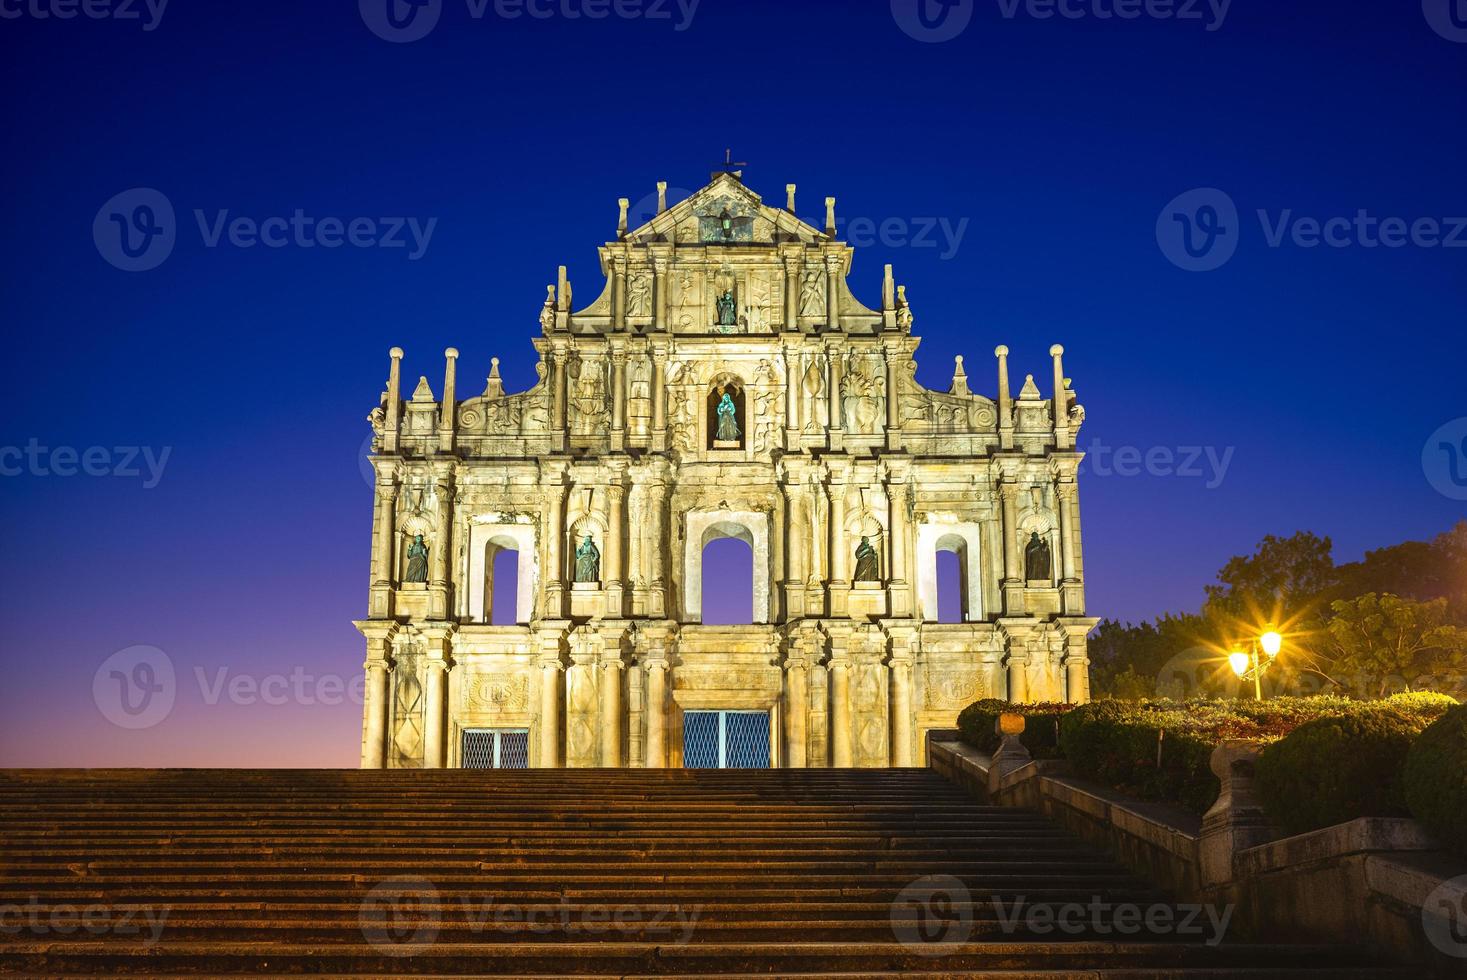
1249	664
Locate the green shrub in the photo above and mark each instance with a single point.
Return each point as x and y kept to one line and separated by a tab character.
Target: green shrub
1425	703
1156	750
1333	770
1436	779
1041	732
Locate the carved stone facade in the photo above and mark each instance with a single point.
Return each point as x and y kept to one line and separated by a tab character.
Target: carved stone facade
725	383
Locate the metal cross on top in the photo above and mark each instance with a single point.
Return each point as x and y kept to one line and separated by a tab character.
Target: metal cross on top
730	166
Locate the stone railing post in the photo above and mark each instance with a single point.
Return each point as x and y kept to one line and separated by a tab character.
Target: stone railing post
1236	821
1012	755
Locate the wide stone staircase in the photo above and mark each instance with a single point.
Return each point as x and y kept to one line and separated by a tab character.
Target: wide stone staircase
788	873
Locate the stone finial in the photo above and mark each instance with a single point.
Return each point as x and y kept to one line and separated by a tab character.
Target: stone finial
424	391
1056	351
830	216
1001	351
960	379
395	353
623	205
451	353
789	198
1236	821
1012	755
495	387
563	301
1030	391
661	196
888	290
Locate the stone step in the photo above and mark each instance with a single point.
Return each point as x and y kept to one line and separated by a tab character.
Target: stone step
620	958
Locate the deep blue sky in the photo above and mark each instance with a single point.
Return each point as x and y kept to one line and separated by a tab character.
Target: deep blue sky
1059	142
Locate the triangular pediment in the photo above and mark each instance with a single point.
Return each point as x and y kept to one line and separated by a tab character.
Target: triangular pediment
724	212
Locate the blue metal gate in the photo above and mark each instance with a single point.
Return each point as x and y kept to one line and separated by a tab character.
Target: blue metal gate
495	748
726	740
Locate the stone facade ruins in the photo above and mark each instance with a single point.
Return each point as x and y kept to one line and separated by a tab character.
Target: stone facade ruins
725	383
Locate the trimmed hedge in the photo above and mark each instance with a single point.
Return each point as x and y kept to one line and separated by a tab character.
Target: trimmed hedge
1334	770
1161	749
1041	726
1436	779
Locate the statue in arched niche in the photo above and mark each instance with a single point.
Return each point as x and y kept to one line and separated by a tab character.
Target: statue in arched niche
728	419
868	561
1038	562
417	564
588	561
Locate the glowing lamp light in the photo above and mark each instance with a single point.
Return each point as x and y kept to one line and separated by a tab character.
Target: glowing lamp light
1240	662
1272	643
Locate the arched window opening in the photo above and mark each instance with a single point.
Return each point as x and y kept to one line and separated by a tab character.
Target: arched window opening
728	583
501	598
952	582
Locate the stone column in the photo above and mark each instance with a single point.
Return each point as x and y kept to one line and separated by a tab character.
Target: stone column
901	712
796	711
615	572
448	408
898	494
439	588
1005	400
659	293
611	670
793	379
379	693
1065	492
656	666
834	369
1013	572
659	397
384	541
554	575
792	287
618	397
1077	673
840	711
385	519
558	381
550	714
894	357
619	293
838	541
1018	673
435	700
832	291
656	538
377	702
1061	401
394	402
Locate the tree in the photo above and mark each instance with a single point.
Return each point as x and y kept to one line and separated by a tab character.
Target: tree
1376	639
1280	579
